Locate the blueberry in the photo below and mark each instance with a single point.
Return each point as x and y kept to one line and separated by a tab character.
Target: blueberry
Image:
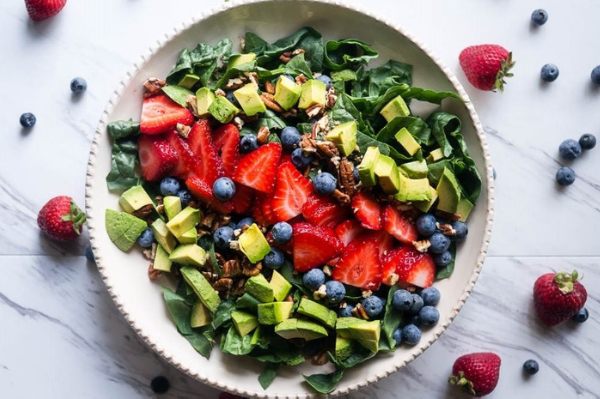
431	296
443	259
397	335
281	233
569	149
78	85
169	186
373	305
245	222
222	236
327	80
324	183
565	176
402	300
415	320
89	254
581	316
417	305
596	75
539	17
313	279
346	311
274	259
426	225
160	385
335	291
531	367
356	176
146	239
248	143
411	334
439	243
27	120
300	160
461	230
494	173
223	189
549	73
229	95
587	141
429	315
290	137
185	197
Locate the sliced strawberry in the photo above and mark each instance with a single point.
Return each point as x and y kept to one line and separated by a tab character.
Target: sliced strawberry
285	157
385	241
348	230
243	198
201	190
157	157
262	209
227	142
160	114
313	246
323	211
367	210
359	265
201	144
399	225
258	168
410	265
291	192
187	165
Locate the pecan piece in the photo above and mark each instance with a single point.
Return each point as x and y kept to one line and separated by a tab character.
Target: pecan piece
270	103
269	88
234	83
250	269
223	284
391	279
183	130
152	273
320	359
192	105
446	229
360	312
422	246
346	175
331	98
231	268
342	198
314	111
220	93
153	86
143	211
285	57
263	135
301	79
328	148
446	215
239	288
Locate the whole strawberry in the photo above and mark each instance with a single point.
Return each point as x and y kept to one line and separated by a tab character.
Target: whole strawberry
557	297
61	219
476	373
40	10
486	66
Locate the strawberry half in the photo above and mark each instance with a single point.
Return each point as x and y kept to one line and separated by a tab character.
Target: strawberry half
200	142
410	265
258	168
157	157
160	114
348	230
367	210
242	199
359	264
263	209
399	225
292	190
201	190
313	246
227	142
187	165
323	211
385	241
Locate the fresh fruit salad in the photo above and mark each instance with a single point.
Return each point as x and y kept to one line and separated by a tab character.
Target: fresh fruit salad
288	193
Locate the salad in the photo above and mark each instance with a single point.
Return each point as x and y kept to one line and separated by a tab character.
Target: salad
299	207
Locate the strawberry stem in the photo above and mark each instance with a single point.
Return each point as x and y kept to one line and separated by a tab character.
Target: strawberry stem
504	72
76	216
461	381
565	281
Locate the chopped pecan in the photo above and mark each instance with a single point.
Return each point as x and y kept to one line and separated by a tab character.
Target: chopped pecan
328	149
183	130
160	208
446	215
446	229
269	88
346	175
320	293
208	219
153	274
360	312
391	279
143	211
366	293
289	298
308	145
220	93
231	268
314	111
322	125
298	51
223	284
220	221
327	270
153	86
270	103
331	98
301	79
250	269
285	57
220	259
192	104
234	83
290	112
252	77
263	135
342	198
211	277
422	246
238	122
239	288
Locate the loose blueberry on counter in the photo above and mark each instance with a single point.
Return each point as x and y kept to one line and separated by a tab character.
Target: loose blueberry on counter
549	73
443	259
27	120
417	305
356	176
402	300
78	85
569	149
229	95
397	336
146	239
596	75
274	259
581	316
426	225
335	291
494	173
282	233
431	296
223	236
248	143
300	160
290	137
439	243
223	189
429	315
373	305
531	367
539	17
347	311
169	186
245	222
327	80
160	385
185	197
587	141
565	176
461	230
411	334
89	254
313	279
324	183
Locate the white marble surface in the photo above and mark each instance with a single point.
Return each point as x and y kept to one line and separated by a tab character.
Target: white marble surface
61	337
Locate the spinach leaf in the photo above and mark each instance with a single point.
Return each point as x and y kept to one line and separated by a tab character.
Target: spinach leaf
347	53
345	75
234	72
365	141
413	124
287	271
297	66
430	96
464	169
376	81
324	383
236	345
268	374
442	124
185	291
121	129
179	309
344	111
436	169
177	94
201	61
446	271
200	343
391	318
123	160
213	260
223	313
360	355
271	120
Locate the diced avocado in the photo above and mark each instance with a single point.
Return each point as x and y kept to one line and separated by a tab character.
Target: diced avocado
407	141
254	244
134	199
464	209
222	109
344	137
240	59
204	98
345	75
202	288
425	206
274	312
200	315
342	325
448	191
249	99
189	254
287	93
256	336
281	287
387	174
313	92
396	107
367	334
123	229
435	155
188	80
366	169
413	189
259	287
415	169
184	221
247	301
189	237
161	260
244	322
296	328
172	205
344	347
163	235
317	311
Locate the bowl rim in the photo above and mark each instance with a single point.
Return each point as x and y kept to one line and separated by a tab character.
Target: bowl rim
151	52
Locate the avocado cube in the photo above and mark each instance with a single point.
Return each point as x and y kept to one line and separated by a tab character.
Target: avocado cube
407	141
240	59
123	229
287	93
274	312
202	288
134	199
448	191
172	206
367	334
344	137
281	287
415	169
396	107
317	311
413	189
254	244
200	315
344	347
184	221
163	235
342	326
243	322
313	92
247	301
189	237
161	260
222	109
249	99
256	336
425	206
189	254
204	98
366	169
188	80
464	209
435	155
259	287
295	328
387	174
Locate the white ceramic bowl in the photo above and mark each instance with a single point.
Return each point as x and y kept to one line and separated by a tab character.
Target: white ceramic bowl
140	300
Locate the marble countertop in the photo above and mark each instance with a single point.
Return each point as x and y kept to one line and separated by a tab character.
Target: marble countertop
62	337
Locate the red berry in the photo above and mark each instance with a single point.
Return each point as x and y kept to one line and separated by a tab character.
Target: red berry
359	265
367	210
201	144
61	219
201	190
348	230
399	225
313	246
409	266
157	157
40	10
258	168
323	211
486	65
227	142
161	114
476	373
187	164
557	297
292	190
